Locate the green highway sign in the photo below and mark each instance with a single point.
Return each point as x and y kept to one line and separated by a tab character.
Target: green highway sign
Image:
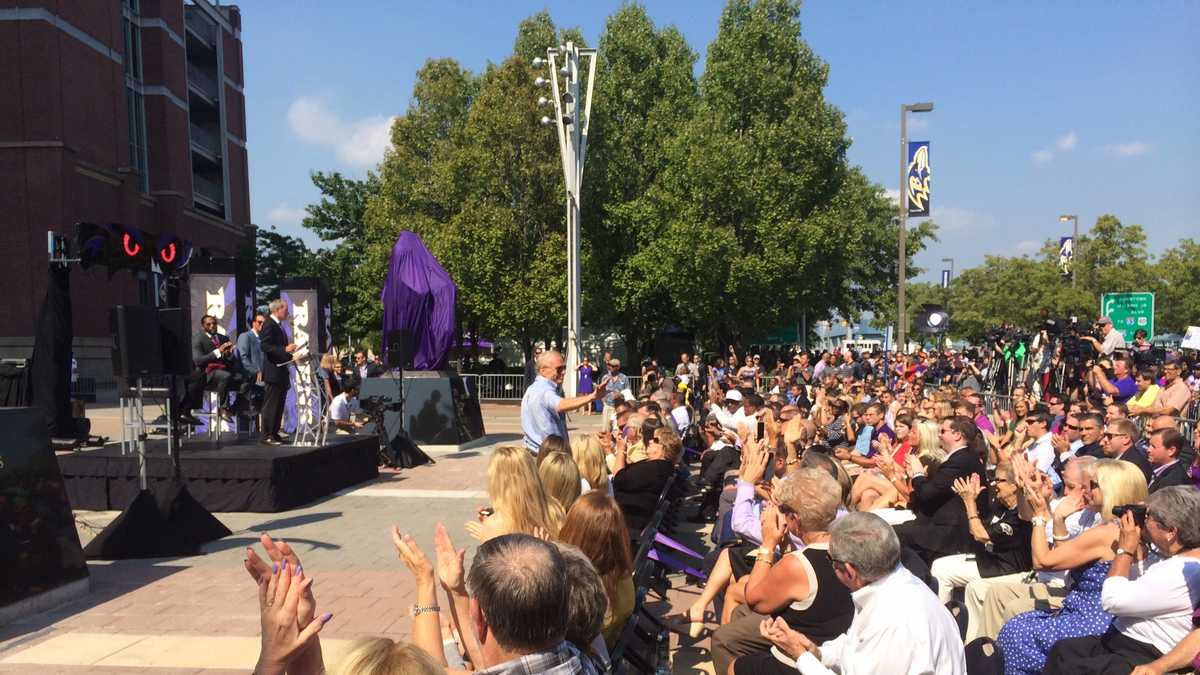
1129	312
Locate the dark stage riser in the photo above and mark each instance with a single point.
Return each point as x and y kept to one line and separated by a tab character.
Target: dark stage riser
236	477
440	408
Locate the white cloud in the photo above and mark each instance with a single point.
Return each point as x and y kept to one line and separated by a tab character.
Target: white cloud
1129	149
954	219
1064	143
1028	247
892	194
358	142
284	216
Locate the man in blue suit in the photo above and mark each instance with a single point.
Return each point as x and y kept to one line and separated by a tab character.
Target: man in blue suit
249	350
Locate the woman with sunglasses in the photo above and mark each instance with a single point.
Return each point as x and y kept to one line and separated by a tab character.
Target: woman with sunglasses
1000	538
1154	611
1027	638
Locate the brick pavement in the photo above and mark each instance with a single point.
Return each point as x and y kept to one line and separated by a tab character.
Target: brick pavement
199	614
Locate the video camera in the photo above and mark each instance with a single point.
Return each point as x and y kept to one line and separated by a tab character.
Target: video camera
373	404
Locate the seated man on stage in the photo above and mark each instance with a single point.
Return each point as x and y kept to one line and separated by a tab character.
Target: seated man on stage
344	408
216	367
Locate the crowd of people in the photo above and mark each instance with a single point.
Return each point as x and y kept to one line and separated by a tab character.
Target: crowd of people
864	520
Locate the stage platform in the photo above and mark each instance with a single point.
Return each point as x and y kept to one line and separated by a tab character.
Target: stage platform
239	476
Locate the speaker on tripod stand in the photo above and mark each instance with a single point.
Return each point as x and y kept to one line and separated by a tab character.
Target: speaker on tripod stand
398	355
167	521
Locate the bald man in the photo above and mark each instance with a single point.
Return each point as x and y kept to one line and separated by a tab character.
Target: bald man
543	408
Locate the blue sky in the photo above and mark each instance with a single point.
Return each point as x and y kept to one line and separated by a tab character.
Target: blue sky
1041	108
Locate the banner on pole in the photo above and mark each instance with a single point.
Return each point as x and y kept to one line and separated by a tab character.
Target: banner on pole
918	179
945	278
1066	256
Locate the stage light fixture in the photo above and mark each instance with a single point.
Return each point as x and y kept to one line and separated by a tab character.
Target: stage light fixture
932	319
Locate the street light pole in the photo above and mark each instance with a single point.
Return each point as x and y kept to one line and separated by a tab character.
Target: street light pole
1074	243
902	263
572	127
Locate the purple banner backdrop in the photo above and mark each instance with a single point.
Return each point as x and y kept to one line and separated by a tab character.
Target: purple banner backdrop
303	403
216	294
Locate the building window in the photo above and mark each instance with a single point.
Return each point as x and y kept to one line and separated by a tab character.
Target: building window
134	103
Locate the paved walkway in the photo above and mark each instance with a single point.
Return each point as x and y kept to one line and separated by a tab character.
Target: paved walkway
199	614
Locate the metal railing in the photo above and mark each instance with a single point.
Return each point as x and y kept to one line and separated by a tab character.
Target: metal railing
205	83
208	190
206	139
201	26
506	387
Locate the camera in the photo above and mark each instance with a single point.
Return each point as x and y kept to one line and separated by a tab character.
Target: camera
1138	511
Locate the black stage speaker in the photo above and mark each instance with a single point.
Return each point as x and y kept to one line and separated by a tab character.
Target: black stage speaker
39	546
176	345
398	349
137	347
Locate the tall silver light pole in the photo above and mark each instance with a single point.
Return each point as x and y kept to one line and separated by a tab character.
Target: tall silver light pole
564	62
1074	243
901	315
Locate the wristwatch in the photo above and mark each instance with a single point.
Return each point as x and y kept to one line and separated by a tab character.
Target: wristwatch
764	554
418	610
1121	551
1039	521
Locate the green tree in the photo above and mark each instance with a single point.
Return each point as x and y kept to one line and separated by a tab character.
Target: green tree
1177	303
278	256
757	196
645	92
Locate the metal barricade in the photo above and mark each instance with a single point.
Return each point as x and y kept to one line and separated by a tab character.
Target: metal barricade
506	387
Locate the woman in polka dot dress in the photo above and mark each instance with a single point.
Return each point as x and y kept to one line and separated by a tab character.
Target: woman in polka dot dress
1027	638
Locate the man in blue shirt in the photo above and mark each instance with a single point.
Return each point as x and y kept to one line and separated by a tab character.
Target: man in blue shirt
543	408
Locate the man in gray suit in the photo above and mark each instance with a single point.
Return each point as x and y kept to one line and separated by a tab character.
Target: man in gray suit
249	350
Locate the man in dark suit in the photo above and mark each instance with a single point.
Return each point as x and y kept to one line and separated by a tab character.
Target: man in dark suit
216	367
277	353
941	526
1163	453
364	367
1118	444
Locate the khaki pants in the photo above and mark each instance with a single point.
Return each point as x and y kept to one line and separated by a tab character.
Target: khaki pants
1003	601
737	638
975	594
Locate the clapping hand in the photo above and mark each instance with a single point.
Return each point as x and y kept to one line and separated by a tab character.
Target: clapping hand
782	636
449	561
774	526
754	462
279	552
1068	505
913	465
413	557
886	465
968	488
283	638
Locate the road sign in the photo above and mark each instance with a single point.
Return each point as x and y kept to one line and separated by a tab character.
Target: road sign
1129	312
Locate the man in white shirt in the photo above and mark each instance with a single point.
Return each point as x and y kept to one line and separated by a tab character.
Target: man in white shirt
727	415
1113	339
342	409
899	625
1041	454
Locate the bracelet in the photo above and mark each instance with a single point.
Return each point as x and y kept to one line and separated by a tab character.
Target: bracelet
1059	537
418	610
974	518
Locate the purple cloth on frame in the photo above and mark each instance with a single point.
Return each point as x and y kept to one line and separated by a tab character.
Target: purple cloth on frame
419	296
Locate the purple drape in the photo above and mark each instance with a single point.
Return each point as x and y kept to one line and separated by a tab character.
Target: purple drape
419	296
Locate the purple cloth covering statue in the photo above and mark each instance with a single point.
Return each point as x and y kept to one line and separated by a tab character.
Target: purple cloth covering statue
419	296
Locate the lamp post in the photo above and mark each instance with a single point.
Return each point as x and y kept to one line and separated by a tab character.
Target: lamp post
950	270
564	62
901	316
1074	242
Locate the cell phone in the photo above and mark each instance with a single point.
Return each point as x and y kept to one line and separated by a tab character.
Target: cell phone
1138	510
761	429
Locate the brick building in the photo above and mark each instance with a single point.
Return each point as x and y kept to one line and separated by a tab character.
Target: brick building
125	111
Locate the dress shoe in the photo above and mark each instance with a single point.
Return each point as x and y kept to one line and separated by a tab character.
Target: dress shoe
269	440
189	419
283	440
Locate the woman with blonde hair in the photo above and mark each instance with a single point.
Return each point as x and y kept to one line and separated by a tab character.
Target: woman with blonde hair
593	468
560	477
383	656
596	525
1027	638
519	500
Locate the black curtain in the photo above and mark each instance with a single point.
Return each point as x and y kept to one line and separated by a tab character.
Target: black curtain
51	368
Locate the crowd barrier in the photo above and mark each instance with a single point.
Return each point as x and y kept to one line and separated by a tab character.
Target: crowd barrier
506	387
